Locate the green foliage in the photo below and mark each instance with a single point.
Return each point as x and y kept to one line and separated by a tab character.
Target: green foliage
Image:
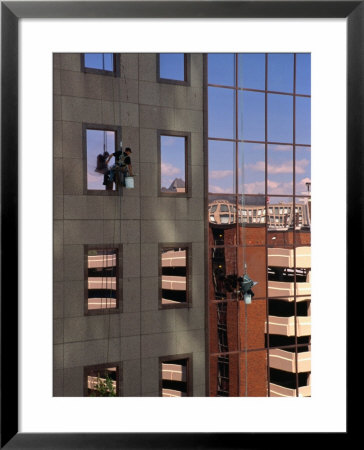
104	388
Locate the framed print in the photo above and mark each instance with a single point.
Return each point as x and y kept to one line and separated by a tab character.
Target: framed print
164	192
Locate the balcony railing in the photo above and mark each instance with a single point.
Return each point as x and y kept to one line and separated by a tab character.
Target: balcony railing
284	257
284	360
285	326
285	290
280	391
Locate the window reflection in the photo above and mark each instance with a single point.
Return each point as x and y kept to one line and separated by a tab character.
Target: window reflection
251	168
251	116
303	170
99	61
280	72
102	381
251	70
221	167
99	145
280	118
303	73
174	280
303	120
172	66
221	106
173	164
102	279
221	69
280	169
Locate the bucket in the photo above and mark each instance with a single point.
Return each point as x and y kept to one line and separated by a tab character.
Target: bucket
129	182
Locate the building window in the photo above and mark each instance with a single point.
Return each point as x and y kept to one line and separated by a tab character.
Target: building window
174	168
173	68
175	267
101	63
175	376
102	274
99	143
102	380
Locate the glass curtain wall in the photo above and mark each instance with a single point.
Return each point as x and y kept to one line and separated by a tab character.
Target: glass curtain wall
259	212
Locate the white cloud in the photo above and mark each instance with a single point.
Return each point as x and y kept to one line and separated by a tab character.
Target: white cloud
168	169
218	174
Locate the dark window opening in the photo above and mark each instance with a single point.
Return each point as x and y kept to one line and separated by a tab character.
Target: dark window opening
288	379
281	308
285	274
223	376
276	340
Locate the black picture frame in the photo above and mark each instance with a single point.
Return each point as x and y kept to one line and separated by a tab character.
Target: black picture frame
11	12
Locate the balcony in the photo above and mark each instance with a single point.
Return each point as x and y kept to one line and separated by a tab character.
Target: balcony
173	372
173	283
285	291
108	283
284	257
280	391
285	326
284	360
101	261
172	393
173	258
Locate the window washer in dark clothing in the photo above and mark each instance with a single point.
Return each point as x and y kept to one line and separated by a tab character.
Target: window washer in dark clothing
121	168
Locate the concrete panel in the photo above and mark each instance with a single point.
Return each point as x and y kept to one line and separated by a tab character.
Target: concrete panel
73	262
167	95
157	117
83	232
91	352
159	208
57	331
187	119
149	260
199	391
148	146
161	321
130	324
198	259
79	84
149	293
189	98
196	69
57	107
190	209
131	378
189	231
148	67
130	348
57	176
56	81
149	93
72	176
198	188
58	250
131	260
72	139
154	345
58	383
198	291
129	65
57	139
130	138
74	382
74	298
151	394
57	299
131	295
150	375
58	207
57	356
83	207
75	109
71	61
190	341
197	156
129	114
57	60
158	231
190	319
199	370
86	328
148	179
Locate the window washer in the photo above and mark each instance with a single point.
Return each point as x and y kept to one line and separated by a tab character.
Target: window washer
121	168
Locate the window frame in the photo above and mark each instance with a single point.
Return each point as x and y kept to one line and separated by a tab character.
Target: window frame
119	276
187	72
188	170
104	366
189	372
188	302
113	73
118	136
